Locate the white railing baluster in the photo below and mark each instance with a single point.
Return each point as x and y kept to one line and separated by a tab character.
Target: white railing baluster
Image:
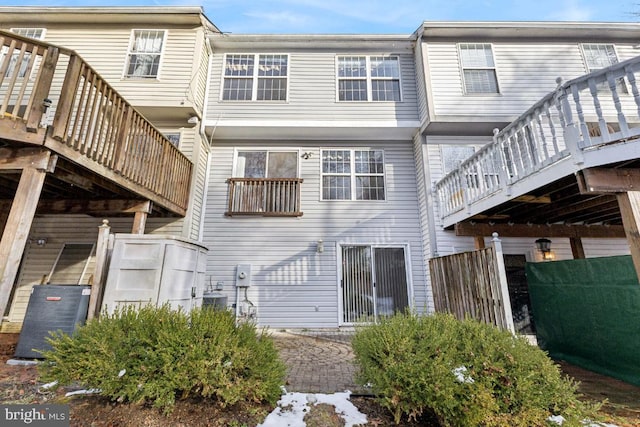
622	121
582	124
634	88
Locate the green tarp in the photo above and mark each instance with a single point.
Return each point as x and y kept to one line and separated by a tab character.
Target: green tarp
587	312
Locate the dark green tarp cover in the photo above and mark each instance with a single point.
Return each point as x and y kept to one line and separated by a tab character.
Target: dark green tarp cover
587	312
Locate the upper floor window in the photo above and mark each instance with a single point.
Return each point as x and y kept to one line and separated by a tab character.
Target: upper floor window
478	68
353	175
368	78
252	77
145	50
33	33
598	56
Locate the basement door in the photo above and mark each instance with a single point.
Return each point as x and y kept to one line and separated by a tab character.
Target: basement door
373	283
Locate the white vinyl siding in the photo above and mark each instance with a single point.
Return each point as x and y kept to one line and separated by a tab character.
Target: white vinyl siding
527	72
145	53
292	284
312	96
478	68
253	77
368	78
106	48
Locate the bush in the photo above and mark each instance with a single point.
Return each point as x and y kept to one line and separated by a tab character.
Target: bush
153	355
467	373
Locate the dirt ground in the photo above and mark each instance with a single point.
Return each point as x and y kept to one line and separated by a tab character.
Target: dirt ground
19	384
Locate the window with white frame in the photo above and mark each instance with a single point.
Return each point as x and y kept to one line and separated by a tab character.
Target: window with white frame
369	78
266	164
145	51
33	33
478	68
598	56
253	77
353	175
173	137
454	155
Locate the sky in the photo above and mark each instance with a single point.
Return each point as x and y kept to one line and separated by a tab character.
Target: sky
374	16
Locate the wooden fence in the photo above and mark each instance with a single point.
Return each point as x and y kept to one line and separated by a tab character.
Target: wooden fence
473	284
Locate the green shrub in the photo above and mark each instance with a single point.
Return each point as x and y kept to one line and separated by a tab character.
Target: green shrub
153	355
411	364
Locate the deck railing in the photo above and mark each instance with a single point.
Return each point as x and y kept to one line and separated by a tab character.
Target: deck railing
92	124
581	114
264	196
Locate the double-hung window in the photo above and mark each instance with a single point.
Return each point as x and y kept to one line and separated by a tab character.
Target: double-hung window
368	78
598	56
33	33
252	77
353	175
478	68
145	52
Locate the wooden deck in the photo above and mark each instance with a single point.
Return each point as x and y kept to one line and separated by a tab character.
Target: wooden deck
587	123
50	98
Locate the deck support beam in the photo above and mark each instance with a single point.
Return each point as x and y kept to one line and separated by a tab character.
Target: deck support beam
19	220
630	209
576	248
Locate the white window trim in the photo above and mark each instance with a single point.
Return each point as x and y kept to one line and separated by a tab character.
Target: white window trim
42	36
234	172
178	133
132	40
255	78
584	54
622	84
494	68
353	175
369	79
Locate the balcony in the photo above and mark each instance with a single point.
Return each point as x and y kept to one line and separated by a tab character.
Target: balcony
587	122
51	98
264	197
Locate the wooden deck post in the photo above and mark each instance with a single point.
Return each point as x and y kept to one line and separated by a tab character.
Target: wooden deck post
478	242
576	248
140	218
629	203
16	232
102	254
504	287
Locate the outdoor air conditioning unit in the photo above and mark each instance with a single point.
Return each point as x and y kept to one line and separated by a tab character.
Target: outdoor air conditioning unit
51	308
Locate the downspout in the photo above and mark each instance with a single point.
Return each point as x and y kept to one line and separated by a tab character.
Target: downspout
203	135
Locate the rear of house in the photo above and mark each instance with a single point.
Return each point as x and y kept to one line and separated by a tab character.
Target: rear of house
312	207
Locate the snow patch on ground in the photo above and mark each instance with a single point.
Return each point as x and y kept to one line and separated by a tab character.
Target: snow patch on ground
292	408
559	419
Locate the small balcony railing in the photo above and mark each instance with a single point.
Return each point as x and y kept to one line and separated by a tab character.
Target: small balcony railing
264	196
580	116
